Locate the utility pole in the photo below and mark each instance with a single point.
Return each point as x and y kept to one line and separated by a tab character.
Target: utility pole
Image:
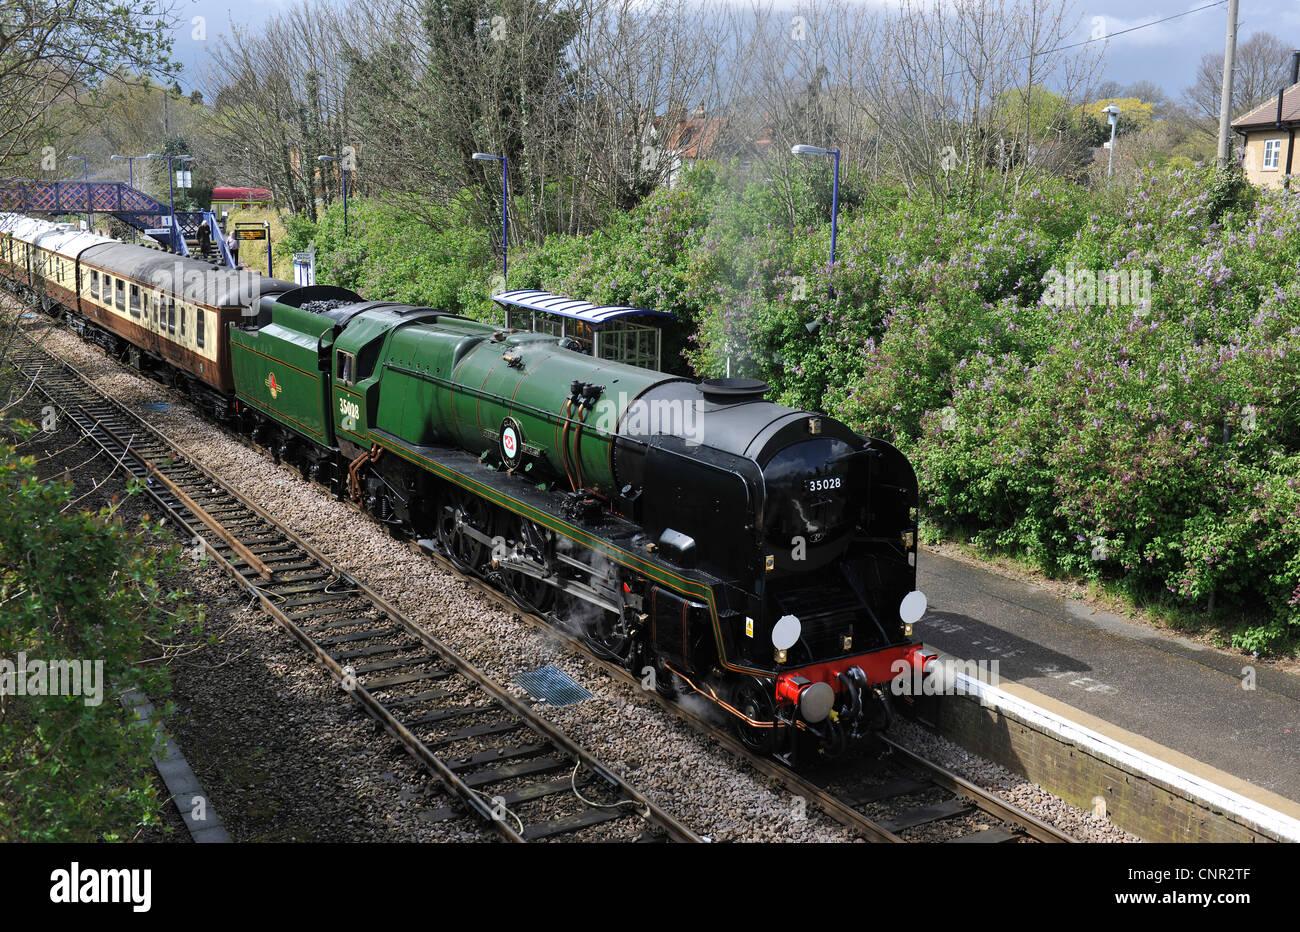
1225	102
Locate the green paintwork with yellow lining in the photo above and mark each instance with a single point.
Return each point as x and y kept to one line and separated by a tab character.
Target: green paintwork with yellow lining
418	384
278	370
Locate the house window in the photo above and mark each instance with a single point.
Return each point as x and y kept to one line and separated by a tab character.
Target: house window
1272	154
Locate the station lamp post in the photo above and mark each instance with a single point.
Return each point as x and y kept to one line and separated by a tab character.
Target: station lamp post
343	167
130	165
505	216
835	190
171	188
130	174
1112	117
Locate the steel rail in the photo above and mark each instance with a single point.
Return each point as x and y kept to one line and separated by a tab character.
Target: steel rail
833	806
194	518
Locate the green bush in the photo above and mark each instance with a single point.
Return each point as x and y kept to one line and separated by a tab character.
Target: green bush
79	585
1085	436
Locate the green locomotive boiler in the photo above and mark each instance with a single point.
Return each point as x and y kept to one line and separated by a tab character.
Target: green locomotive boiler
712	541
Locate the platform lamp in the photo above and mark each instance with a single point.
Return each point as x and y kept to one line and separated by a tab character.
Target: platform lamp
130	174
835	190
505	216
1112	117
171	189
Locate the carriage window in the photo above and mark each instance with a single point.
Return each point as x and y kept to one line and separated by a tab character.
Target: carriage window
171	317
171	304
347	367
119	288
135	300
94	284
198	325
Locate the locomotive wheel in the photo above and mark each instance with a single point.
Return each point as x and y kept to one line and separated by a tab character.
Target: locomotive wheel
461	511
754	702
665	680
602	636
535	542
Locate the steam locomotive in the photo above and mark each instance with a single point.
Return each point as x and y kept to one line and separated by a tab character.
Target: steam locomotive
710	540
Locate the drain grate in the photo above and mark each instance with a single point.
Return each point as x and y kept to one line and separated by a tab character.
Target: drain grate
552	685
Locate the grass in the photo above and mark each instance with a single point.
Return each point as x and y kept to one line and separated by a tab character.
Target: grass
253	254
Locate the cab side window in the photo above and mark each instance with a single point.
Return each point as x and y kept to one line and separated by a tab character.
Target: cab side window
347	367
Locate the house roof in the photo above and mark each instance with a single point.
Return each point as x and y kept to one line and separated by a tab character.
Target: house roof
1265	116
594	314
695	136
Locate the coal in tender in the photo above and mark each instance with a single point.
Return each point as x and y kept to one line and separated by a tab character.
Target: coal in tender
321	307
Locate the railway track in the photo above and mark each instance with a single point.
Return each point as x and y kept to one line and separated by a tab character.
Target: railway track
894	797
503	766
917	796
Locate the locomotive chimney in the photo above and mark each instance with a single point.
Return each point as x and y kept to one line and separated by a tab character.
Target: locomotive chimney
733	390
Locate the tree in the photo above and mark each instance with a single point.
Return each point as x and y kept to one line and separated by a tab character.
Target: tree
1262	66
52	54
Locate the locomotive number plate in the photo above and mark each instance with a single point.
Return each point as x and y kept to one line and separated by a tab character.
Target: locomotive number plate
821	485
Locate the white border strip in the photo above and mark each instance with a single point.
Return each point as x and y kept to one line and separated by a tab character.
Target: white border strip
1213	796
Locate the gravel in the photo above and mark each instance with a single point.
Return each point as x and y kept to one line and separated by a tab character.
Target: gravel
1011	787
264	695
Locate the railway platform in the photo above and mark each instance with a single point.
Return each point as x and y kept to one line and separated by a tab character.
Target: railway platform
1228	717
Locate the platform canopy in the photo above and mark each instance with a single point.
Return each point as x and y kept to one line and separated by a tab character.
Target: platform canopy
603	330
595	315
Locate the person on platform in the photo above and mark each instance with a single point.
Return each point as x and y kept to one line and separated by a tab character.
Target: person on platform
233	245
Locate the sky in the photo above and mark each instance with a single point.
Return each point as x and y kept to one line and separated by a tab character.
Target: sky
1166	53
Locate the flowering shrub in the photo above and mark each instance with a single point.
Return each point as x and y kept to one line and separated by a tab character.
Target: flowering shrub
1150	437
